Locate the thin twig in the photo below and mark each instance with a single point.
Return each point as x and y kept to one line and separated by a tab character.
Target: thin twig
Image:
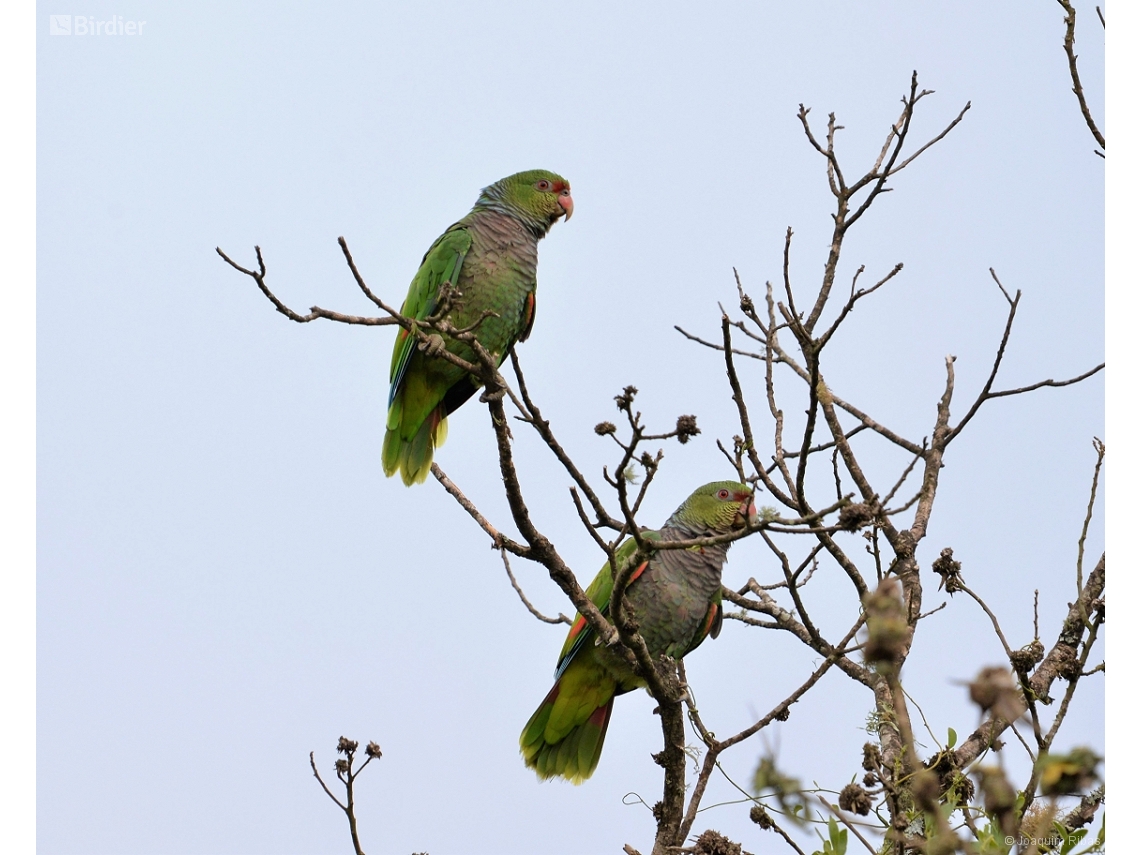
1099	447
993	620
850	825
717	747
780	356
1057	661
986	394
543	427
498	539
1070	53
854	298
901	480
1054	384
348	777
514	584
320	780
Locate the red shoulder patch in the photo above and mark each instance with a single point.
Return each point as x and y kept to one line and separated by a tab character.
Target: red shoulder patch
575	630
638	571
710	619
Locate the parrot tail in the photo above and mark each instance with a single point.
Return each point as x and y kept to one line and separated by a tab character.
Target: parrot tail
554	751
412	457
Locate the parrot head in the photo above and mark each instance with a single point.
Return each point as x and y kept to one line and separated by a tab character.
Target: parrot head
718	507
536	197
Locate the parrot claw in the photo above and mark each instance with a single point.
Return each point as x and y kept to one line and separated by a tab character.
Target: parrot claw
434	345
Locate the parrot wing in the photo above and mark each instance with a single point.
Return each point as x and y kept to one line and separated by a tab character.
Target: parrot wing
599	592
441	263
714	620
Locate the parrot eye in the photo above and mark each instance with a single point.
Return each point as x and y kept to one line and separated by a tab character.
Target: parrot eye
723	494
566	192
543	185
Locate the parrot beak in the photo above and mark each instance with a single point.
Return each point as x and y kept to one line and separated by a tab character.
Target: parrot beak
747	514
567	204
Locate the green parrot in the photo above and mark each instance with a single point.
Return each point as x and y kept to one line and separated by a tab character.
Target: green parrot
675	597
490	257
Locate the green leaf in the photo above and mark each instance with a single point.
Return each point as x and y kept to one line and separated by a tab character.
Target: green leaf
836	844
951	738
1069	839
838	837
991	840
1098	844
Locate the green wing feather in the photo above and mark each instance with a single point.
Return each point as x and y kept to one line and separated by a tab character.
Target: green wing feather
564	737
416	423
599	593
565	734
441	263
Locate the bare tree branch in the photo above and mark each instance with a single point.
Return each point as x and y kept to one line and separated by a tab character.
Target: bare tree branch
347	776
1084	812
1098	446
717	747
796	478
534	417
1070	52
1057	662
498	540
514	584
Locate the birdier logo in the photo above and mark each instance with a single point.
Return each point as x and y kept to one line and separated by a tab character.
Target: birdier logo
82	25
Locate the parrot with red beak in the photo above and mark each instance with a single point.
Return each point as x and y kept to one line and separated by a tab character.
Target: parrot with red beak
675	597
490	259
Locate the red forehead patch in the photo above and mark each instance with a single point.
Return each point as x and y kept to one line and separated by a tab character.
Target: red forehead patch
559	186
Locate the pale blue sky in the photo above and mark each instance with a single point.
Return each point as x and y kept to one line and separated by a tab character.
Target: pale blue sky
226	580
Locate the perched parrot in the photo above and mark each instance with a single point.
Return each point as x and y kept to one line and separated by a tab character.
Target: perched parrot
490	257
675	597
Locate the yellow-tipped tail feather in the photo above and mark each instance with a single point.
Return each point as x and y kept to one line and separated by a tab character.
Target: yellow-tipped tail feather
412	457
564	737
